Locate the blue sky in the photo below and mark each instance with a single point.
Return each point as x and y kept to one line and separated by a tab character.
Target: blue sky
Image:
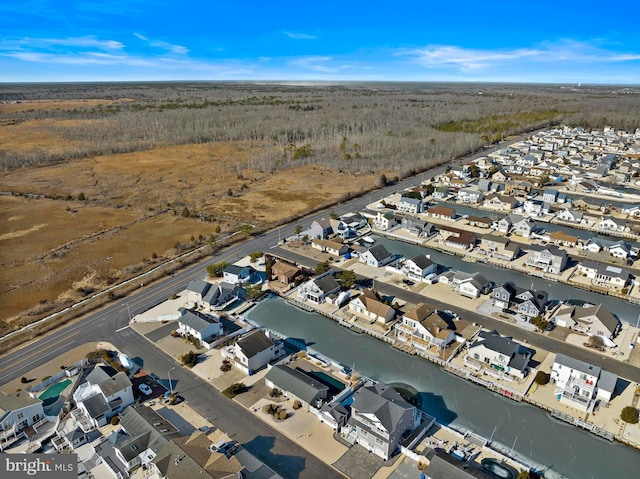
485	40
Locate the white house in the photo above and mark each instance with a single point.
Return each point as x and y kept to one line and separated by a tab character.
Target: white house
581	384
370	306
410	205
18	411
419	267
549	259
376	256
499	353
235	274
254	351
385	220
379	419
604	275
201	326
571	216
609	223
104	394
317	289
470	195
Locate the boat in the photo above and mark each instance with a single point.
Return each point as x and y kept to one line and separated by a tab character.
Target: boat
368	239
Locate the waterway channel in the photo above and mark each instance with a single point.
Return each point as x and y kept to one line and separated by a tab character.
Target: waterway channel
623	309
565	449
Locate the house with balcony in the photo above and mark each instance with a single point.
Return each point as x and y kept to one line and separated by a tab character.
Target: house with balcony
410	205
604	275
104	394
548	259
253	351
590	319
500	202
498	353
317	289
142	434
424	327
580	384
371	306
203	327
417	226
385	220
380	418
419	267
470	195
499	247
20	416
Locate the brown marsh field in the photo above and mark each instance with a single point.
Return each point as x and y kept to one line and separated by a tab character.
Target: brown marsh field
101	181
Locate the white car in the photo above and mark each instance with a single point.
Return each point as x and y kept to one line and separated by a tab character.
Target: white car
145	389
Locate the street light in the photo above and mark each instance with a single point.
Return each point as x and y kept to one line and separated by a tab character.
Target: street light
170	383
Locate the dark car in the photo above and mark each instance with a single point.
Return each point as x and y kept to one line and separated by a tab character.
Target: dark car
550	326
408	282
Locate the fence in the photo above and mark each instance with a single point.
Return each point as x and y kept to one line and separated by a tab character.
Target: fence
56	377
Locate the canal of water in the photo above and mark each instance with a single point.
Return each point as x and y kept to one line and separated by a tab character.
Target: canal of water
623	309
565	449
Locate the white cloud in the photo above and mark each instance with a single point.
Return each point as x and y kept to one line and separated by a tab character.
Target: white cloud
300	36
469	59
170	47
49	43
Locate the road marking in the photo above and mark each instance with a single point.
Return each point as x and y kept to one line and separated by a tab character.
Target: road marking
121	329
40	351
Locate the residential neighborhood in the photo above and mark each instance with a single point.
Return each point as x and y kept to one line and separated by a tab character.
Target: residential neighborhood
418	273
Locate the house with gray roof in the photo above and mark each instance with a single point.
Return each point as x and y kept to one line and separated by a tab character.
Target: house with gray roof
593	320
604	274
444	465
548	259
105	393
295	384
254	351
142	434
235	274
319	288
18	411
380	417
376	256
205	328
220	295
498	353
411	205
581	384
419	267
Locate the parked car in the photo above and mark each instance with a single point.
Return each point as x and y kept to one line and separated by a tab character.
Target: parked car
145	389
224	447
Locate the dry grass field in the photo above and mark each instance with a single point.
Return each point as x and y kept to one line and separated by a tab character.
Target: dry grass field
56	247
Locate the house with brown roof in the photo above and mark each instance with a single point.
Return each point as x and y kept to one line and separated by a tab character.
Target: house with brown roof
562	238
284	273
369	305
424	327
442	212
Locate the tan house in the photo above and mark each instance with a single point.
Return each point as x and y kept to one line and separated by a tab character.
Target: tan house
369	305
424	327
329	246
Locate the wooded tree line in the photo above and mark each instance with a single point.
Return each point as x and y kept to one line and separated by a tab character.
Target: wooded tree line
359	128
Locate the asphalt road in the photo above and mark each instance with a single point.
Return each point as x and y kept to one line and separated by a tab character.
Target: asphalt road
283	455
531	338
